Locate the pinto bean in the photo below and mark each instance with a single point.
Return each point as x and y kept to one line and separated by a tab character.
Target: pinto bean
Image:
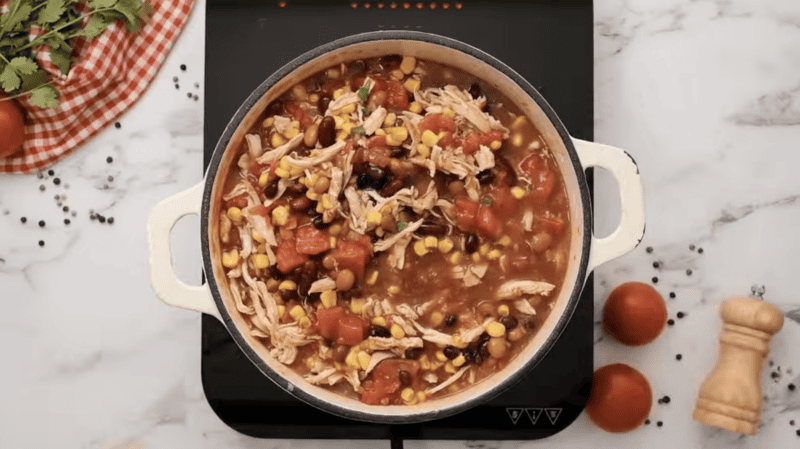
310	137
498	347
345	280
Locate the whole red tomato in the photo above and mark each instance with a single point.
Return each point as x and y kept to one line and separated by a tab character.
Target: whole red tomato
621	398
635	313
12	127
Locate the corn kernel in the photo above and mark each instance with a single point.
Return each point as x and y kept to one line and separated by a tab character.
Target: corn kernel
505	240
440	355
421	396
326	201
372	278
484	249
335	229
260	260
397	134
408	394
429	138
287	285
320	208
445	245
455	258
476	257
449	112
282	173
419	248
338	93
496	145
280	215
374	218
304	322
503	310
516	140
423	150
493	254
296	171
398	74
333	242
495	329
397	331
363	360
458	361
291	132
257	237
349	109
379	320
342	135
328	298
424	363
518	192
352	360
380	132
356	306
411	84
281	310
459	342
312	195
235	214
313	98
449	367
394	289
390	119
276	140
437	318
338	121
431	242
408	64
518	122
268	122
348	127
231	259
297	312
415	107
272	285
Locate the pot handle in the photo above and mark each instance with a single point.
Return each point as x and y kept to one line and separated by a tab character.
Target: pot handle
631	226
168	287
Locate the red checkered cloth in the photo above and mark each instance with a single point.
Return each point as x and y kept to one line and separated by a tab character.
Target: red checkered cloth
110	73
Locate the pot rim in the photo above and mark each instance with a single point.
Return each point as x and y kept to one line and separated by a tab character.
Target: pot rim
413	416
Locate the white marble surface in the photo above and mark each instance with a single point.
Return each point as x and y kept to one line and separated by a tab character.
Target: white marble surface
704	94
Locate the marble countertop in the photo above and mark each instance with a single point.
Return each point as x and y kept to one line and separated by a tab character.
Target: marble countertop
704	94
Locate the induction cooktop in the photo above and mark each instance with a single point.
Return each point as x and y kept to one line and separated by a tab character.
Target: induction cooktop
550	44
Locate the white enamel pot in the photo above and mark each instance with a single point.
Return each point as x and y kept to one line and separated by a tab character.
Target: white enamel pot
573	156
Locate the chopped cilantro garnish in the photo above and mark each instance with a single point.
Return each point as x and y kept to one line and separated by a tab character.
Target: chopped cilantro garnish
364	111
363	93
487	201
401	225
358	130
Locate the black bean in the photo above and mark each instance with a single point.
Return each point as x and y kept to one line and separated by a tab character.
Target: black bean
509	322
391	187
450	320
377	330
319	223
413	353
501	165
430	227
271	188
363	181
399	152
405	378
275	108
391	62
356	67
475	90
471	243
485	177
275	273
451	352
483	338
377	177
323	102
304	285
327	131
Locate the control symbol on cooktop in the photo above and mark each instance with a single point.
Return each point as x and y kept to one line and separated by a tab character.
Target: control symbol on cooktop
533	414
514	414
553	414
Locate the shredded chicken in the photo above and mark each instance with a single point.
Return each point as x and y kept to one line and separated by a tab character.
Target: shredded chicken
254	145
322	285
448	382
433	336
318	156
376	358
524	306
519	287
374	121
344	100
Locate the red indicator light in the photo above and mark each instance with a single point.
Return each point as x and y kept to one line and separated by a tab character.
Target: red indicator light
380	5
281	4
445	5
420	5
459	6
367	5
406	5
432	5
393	5
354	5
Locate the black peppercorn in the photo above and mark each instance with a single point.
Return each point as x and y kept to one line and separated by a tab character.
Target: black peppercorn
688	271
66	221
672	295
109	159
678	357
41	223
647	421
655	280
174	79
177	86
23	219
42	187
649	249
670	322
656	264
117	125
56	181
183	67
110	220
665	399
681	315
51	172
691	247
41	242
798	432
65	208
700	250
189	95
101	218
659	424
791	423
791	387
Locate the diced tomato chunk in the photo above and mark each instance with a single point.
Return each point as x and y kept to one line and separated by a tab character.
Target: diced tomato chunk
288	257
503	202
472	143
491	136
466	212
385	381
311	240
261	210
376	141
488	223
352	255
396	95
328	321
437	123
351	330
299	114
550	224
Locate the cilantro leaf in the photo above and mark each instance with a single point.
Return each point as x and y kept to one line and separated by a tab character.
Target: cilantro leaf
18	12
131	10
97	24
98	4
363	93
23	65
358	130
9	79
61	59
57	41
401	225
52	11
45	96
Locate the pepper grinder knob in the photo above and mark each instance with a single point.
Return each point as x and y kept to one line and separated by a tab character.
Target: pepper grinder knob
730	397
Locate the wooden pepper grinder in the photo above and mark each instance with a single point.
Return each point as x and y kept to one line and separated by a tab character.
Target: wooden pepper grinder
731	396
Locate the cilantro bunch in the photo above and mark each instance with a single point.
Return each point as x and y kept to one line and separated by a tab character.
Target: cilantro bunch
56	22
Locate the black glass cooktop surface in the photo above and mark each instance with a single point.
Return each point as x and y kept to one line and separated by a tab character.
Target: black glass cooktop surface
547	42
